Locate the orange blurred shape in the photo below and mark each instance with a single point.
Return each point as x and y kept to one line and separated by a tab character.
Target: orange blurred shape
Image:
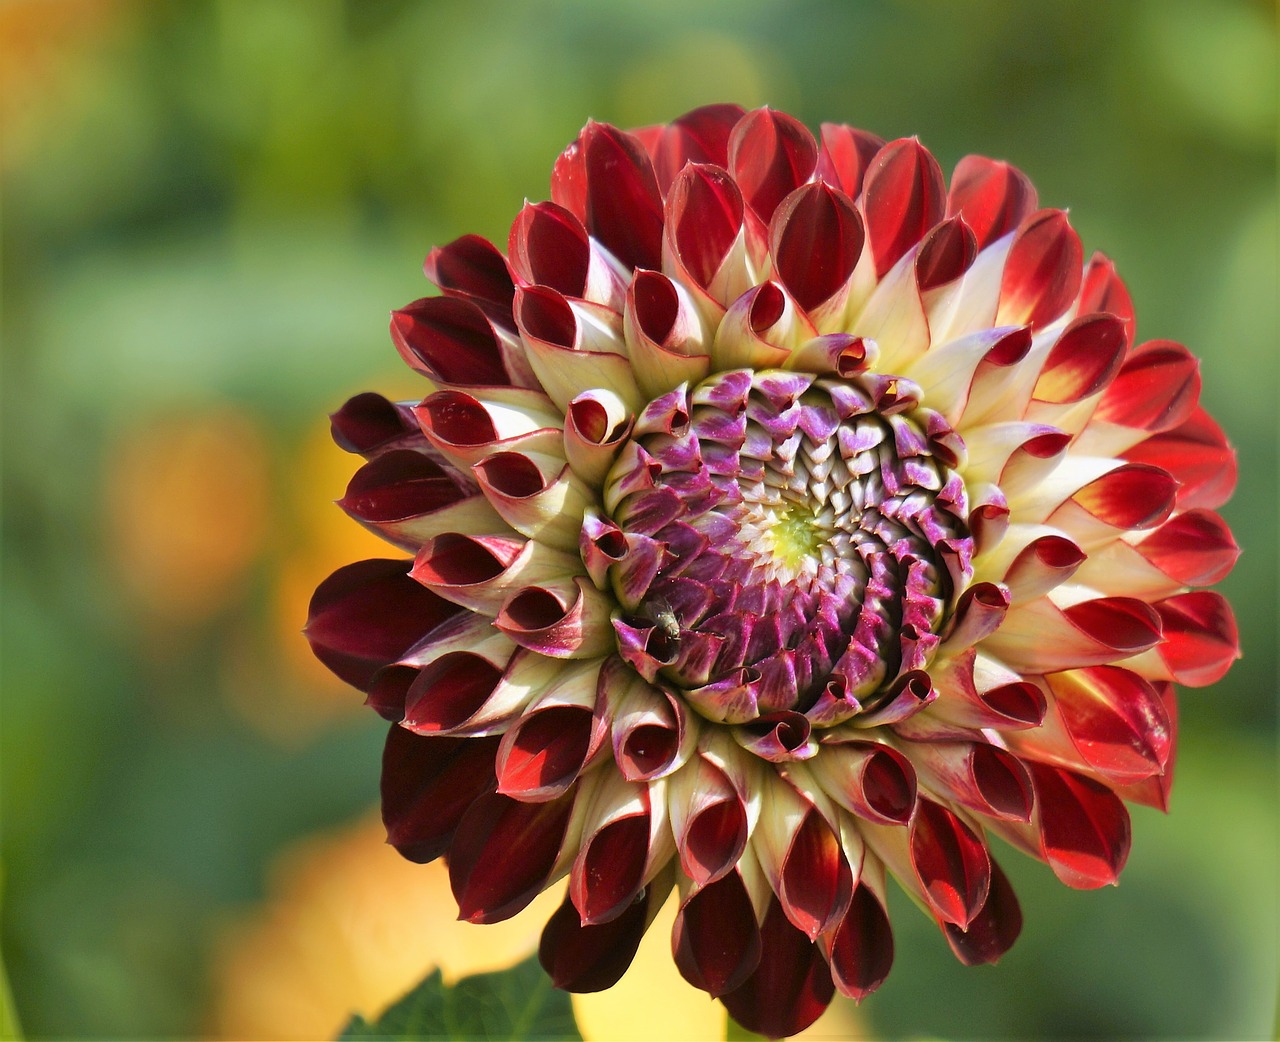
40	43
187	509
350	926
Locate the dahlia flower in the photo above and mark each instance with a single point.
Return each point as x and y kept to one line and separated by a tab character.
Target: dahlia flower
782	520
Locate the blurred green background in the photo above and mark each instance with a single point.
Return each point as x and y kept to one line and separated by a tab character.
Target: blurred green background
209	207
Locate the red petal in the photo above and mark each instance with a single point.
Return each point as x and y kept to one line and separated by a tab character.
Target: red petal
1156	389
946	253
994	928
1104	290
903	198
1115	719
369	421
1194	548
543	753
816	884
952	862
582	958
1043	271
1084	827
862	949
451	340
1134	495
770	154
1199	458
427	785
715	941
473	267
846	154
490	884
816	239
1085	359
623	204
397	485
1126	624
705	212
992	197
368	614
789	989
449	692
549	247
700	136
609	871
1201	640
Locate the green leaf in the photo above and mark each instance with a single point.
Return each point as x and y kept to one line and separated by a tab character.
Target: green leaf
515	1004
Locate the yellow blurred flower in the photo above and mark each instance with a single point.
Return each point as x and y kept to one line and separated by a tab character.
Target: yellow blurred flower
349	926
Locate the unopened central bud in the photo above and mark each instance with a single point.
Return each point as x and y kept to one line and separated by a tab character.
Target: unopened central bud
794	543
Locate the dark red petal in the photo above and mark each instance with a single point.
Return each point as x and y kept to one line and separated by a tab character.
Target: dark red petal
623	204
582	958
1085	359
946	253
1042	273
715	941
1084	827
816	239
609	872
1201	639
790	988
994	928
366	615
846	154
992	197
368	421
816	883
862	949
1156	389
488	882
714	840
1002	781
1198	456
1103	290
449	339
549	246
453	559
951	860
399	484
473	267
543	753
704	211
448	692
770	154
700	136
427	785
903	198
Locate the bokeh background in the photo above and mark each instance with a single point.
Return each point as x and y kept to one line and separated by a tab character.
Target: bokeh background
209	208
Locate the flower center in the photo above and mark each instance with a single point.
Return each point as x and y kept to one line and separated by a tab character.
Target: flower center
794	543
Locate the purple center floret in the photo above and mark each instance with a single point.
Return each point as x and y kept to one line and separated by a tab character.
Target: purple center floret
795	543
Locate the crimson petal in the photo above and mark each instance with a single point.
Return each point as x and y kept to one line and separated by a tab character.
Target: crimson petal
366	615
903	198
586	958
427	785
487	882
790	988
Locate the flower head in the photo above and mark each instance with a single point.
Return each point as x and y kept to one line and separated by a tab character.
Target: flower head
784	520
